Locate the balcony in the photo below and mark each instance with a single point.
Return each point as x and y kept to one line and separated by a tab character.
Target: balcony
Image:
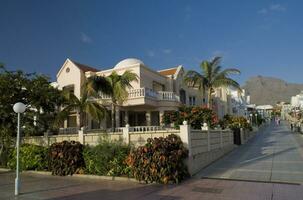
147	96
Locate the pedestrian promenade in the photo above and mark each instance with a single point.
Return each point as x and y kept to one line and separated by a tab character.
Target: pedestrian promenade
274	155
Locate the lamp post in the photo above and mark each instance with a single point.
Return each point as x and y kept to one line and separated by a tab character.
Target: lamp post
18	108
251	118
256	117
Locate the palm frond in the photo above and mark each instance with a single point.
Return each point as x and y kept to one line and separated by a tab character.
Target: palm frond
194	79
95	110
230	71
97	84
227	82
215	61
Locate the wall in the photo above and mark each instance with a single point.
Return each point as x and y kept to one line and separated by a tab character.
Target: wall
73	77
204	146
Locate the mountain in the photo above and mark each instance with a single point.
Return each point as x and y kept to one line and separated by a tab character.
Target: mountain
268	90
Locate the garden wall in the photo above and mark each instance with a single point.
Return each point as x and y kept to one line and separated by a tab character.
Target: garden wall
205	146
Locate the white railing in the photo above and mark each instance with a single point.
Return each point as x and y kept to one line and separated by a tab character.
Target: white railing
146	92
116	130
148	128
169	96
69	130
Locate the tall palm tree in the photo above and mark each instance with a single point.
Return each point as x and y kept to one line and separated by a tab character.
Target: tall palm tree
116	86
212	76
84	106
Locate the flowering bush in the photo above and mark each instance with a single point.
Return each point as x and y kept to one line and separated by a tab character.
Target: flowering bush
234	122
195	116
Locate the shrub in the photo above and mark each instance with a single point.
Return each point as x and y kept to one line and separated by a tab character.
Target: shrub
234	122
196	116
31	157
66	158
107	158
161	160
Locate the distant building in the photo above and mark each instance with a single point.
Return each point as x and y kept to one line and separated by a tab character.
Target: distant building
297	101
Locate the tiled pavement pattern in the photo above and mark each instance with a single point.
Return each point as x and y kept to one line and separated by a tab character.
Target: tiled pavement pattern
71	188
274	155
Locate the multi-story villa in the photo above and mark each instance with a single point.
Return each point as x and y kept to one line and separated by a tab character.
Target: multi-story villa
154	93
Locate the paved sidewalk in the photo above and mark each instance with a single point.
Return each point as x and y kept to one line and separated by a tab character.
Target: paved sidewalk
274	155
71	188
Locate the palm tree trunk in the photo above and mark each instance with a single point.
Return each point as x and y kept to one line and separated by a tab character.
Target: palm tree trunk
113	117
209	99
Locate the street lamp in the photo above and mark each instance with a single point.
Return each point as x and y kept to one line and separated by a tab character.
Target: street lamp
18	108
256	117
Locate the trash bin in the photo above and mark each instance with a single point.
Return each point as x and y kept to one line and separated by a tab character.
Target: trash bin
237	136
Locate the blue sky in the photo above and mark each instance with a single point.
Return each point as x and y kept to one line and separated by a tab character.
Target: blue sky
258	37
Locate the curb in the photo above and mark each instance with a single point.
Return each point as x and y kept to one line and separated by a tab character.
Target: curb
86	176
5	170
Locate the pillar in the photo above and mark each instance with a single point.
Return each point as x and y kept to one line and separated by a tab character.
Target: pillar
148	118
185	136
126	117
81	135
117	117
125	134
161	113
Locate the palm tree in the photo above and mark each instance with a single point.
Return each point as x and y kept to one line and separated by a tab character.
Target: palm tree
84	106
212	76
116	86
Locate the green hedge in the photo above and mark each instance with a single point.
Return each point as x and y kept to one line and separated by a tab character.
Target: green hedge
161	160
32	157
107	158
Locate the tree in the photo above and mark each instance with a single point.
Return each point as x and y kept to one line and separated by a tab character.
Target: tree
212	76
86	105
116	86
34	91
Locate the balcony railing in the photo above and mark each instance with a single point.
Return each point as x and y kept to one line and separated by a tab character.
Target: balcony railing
146	92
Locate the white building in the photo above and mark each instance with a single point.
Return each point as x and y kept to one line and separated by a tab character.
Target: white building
297	101
154	93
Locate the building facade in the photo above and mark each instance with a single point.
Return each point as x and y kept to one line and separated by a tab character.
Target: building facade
154	93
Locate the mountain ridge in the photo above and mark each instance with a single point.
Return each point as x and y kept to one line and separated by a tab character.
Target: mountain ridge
270	90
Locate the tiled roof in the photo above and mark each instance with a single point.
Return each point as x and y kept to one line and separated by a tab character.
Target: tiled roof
167	72
85	68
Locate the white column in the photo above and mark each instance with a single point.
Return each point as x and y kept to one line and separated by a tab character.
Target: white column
81	135
65	124
148	118
161	113
126	117
78	120
45	138
125	134
117	117
185	136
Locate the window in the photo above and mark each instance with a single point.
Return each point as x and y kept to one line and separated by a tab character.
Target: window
70	88
192	100
182	96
